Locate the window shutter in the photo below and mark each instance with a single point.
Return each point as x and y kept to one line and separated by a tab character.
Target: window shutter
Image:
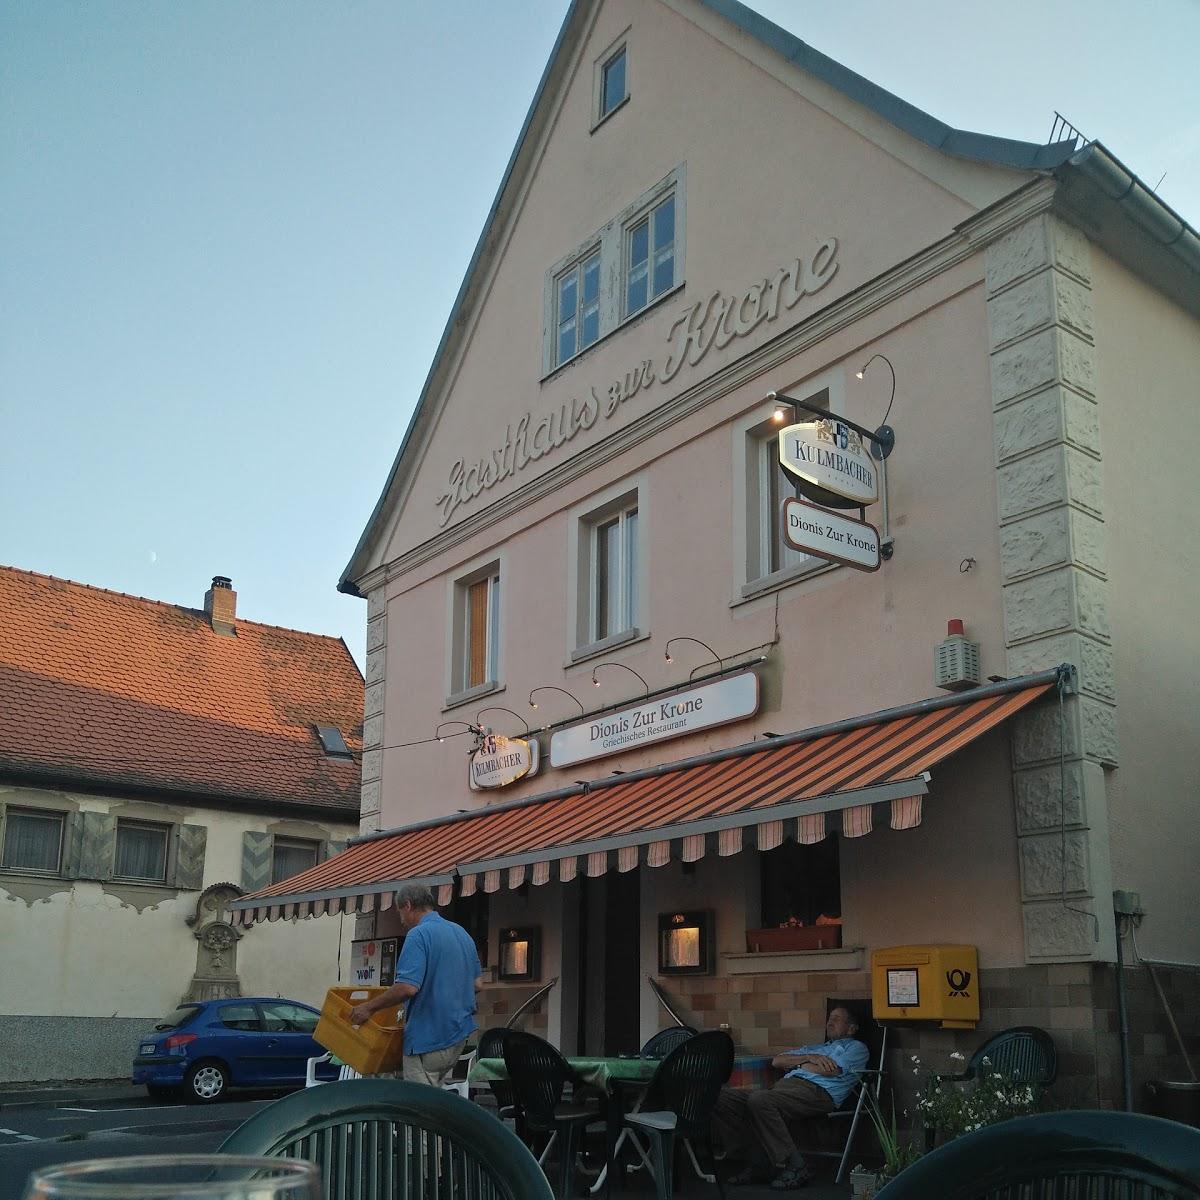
329	849
477	623
96	843
190	841
256	860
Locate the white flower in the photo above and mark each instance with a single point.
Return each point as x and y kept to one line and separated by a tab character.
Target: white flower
915	1059
958	1055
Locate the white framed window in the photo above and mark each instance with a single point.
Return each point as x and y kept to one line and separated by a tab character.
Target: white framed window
577	306
649	266
475	651
33	840
607	573
617	273
613	82
614	574
290	856
763	559
141	851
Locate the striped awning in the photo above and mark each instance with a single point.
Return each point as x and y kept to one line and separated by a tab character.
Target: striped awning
853	772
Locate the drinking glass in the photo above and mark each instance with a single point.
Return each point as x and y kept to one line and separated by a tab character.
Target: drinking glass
177	1177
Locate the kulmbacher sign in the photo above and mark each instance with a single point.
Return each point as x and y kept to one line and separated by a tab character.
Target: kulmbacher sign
829	463
498	761
701	707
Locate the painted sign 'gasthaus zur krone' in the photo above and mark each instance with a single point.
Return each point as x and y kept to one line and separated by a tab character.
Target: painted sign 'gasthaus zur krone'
709	231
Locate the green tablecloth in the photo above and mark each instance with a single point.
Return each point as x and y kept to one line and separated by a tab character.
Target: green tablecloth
596	1072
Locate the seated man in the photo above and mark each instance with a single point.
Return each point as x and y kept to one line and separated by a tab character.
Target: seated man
818	1079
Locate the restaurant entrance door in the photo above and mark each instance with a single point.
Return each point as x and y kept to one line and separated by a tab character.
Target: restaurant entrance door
609	964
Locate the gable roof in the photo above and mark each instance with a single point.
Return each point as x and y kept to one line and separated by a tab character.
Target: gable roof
1091	164
107	691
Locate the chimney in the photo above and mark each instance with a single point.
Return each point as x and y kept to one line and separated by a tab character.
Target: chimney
220	606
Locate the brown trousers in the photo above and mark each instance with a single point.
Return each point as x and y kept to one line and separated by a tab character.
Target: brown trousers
746	1121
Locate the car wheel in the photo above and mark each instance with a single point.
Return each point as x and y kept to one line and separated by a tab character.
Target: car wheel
206	1082
160	1091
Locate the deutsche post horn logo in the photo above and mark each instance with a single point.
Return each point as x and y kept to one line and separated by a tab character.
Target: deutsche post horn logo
958	980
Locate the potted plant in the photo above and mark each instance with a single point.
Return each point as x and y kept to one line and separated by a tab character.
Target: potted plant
898	1151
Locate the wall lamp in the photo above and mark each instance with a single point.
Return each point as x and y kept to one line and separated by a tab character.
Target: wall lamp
671	641
499	708
549	687
467	727
596	682
885	433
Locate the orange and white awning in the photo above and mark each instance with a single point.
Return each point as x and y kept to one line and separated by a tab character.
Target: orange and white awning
853	773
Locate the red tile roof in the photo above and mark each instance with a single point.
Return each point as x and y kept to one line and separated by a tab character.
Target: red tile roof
103	689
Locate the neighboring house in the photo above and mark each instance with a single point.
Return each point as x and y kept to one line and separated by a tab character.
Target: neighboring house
701	212
155	762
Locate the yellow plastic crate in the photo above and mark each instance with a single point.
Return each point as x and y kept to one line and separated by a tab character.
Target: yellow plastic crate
374	1046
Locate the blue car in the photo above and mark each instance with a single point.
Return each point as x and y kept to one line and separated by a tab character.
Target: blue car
210	1046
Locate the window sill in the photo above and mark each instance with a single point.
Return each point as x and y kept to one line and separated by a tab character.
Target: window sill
616	108
850	958
780	579
491	688
622	324
626	637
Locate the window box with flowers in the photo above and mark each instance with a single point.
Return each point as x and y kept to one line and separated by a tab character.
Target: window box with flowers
824	934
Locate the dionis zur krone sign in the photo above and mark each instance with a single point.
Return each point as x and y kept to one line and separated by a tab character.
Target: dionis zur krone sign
498	761
830	535
717	320
829	463
698	708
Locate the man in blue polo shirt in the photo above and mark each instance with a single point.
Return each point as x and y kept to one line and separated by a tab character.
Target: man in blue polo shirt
438	975
818	1079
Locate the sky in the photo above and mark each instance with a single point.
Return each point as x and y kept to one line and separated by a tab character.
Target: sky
232	232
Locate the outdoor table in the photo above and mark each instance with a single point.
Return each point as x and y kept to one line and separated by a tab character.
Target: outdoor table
608	1074
598	1073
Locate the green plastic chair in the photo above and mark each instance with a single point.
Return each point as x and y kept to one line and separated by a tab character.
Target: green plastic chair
1060	1156
385	1139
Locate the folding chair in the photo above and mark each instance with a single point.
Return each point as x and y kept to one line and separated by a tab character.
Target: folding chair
874	1035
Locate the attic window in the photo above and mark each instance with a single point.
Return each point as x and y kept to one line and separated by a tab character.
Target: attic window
332	741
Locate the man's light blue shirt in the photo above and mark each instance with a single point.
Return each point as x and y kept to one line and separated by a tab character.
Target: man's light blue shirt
439	959
849	1053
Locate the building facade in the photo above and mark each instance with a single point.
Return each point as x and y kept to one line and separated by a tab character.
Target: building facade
156	762
705	226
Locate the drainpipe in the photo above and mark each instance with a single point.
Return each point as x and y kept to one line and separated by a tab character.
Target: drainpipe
1125	904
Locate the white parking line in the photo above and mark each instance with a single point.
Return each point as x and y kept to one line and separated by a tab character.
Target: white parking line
65	1109
25	1137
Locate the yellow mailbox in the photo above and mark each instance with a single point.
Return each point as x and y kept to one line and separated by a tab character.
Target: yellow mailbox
926	983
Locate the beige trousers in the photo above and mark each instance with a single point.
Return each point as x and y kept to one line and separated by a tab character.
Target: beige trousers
432	1068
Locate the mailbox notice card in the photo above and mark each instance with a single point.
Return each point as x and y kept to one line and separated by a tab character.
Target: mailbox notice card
902	988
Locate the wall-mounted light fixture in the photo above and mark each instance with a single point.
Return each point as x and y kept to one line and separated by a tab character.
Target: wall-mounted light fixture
499	708
520	954
685	943
467	726
549	687
596	682
671	641
884	437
